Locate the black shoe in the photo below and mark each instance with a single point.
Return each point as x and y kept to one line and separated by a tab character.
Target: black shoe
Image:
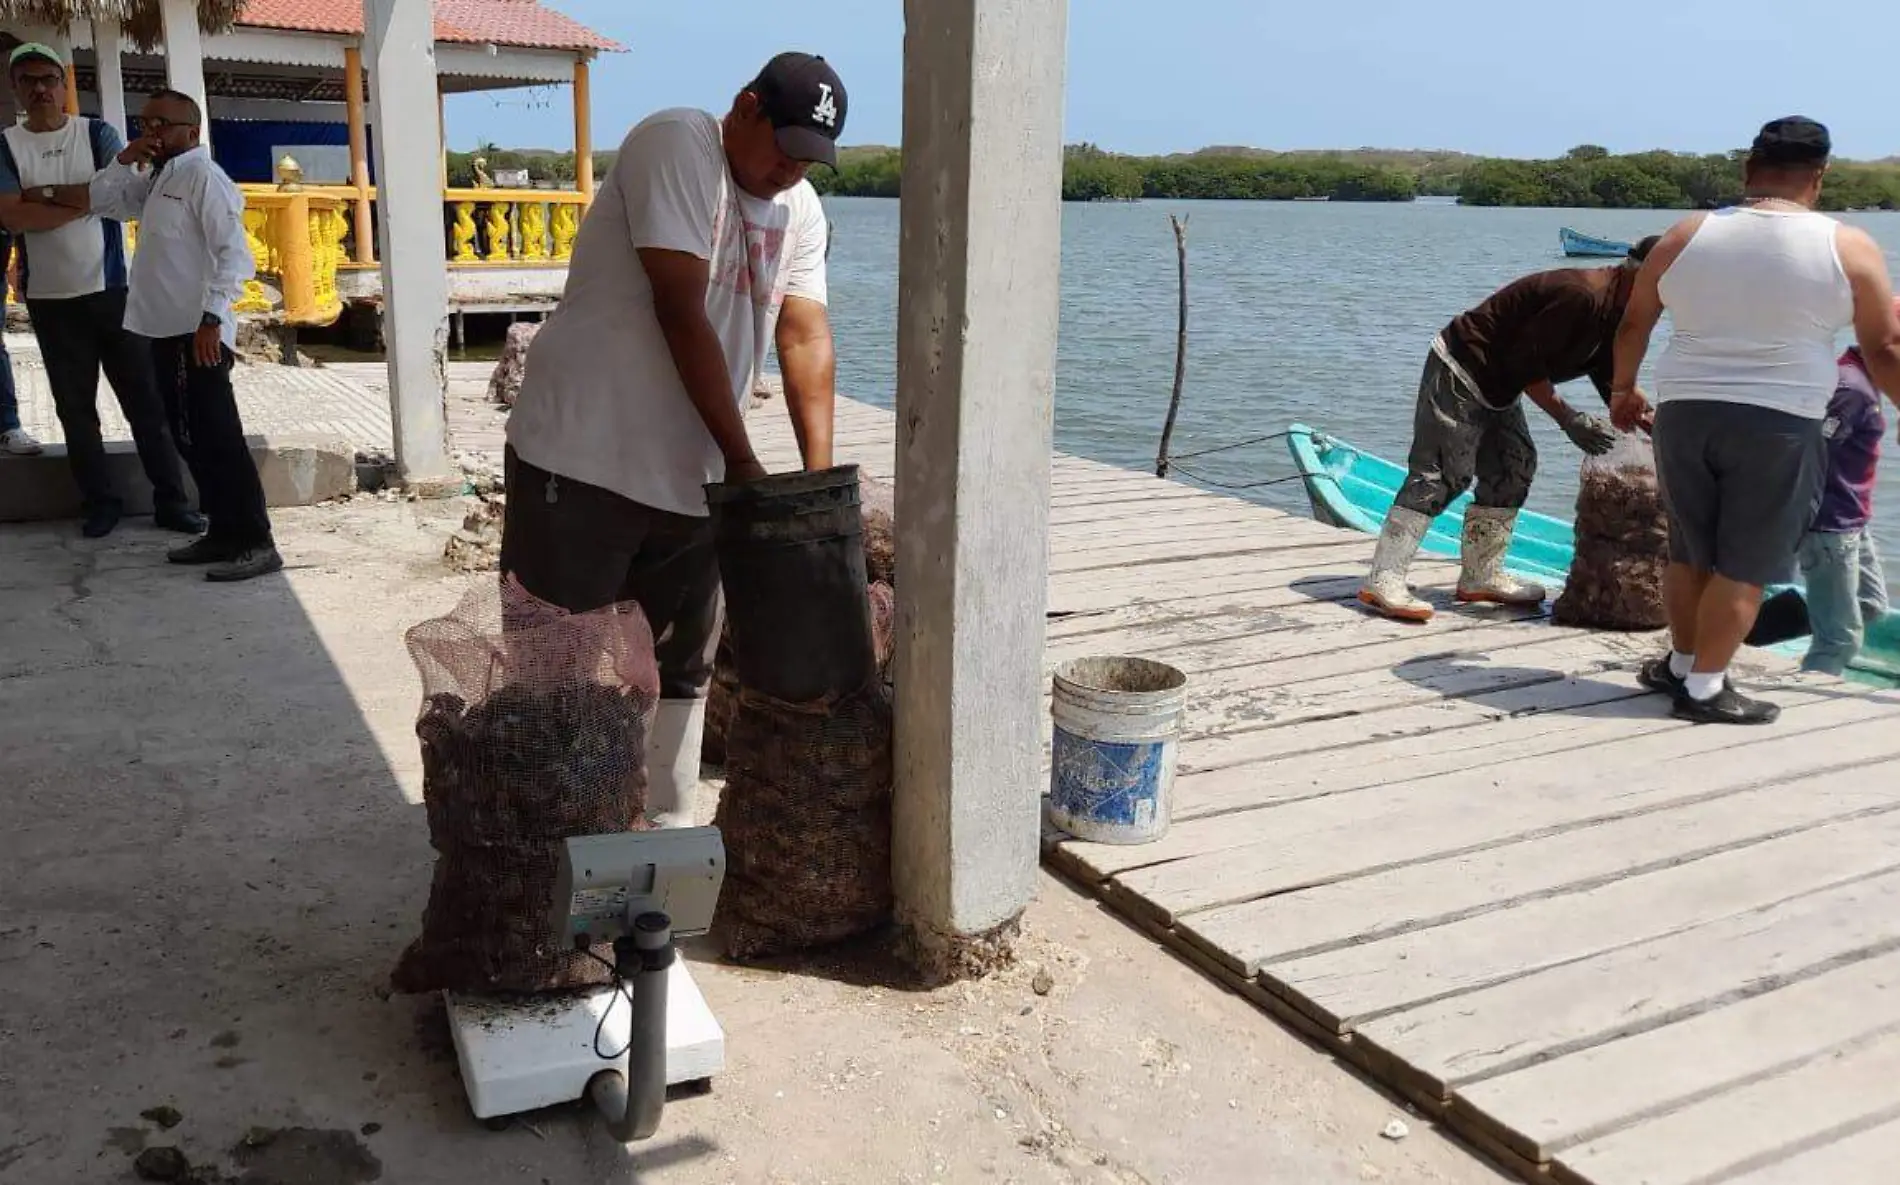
203	550
1659	676
248	564
99	523
182	519
1726	706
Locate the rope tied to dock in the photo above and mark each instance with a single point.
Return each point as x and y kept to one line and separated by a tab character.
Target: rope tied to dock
1222	448
1224	485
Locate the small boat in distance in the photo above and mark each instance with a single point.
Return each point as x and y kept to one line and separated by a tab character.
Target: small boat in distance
1354	489
1579	245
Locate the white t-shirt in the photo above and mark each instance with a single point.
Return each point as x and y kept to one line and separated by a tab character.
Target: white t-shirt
69	261
601	401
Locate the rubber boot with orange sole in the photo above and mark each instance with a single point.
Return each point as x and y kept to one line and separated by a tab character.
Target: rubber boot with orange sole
1385	590
1483	580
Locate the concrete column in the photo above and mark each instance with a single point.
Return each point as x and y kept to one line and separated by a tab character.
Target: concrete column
399	38
979	251
359	152
185	55
107	45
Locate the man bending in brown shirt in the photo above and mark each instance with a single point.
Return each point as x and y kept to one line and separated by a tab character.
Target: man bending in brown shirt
1524	339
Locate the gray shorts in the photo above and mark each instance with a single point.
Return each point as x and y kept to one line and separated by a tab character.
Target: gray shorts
1740	484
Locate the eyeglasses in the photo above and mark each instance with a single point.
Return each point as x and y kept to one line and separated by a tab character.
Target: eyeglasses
158	123
38	82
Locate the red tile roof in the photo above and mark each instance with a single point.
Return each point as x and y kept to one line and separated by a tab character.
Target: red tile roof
523	23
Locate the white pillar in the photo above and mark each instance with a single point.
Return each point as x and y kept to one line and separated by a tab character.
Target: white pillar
185	55
979	251
107	45
399	45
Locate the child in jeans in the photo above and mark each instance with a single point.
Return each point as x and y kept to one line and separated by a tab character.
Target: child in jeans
1838	562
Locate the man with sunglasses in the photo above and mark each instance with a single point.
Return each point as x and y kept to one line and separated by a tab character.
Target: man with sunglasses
190	269
72	270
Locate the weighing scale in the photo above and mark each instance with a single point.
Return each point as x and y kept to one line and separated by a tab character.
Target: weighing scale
623	1045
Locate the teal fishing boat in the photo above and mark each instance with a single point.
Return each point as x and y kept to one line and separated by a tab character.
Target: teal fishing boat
1351	488
1582	246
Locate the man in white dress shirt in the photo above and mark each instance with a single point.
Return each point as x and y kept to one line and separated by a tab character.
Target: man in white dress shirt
189	269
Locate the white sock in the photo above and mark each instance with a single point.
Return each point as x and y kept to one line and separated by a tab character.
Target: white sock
1681	664
1704	685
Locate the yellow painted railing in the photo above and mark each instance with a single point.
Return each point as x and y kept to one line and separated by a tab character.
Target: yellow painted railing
300	238
484	226
344	193
296	238
513	226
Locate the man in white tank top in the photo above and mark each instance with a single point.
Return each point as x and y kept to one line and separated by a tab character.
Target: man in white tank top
1757	295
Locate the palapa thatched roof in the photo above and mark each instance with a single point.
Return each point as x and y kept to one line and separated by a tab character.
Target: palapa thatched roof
139	17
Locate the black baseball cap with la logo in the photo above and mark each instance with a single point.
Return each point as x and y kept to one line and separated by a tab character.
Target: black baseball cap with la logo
803	97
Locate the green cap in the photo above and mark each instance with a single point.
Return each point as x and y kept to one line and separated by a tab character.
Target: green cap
34	49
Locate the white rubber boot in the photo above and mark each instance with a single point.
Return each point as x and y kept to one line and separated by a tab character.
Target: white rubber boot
1484	580
1385	589
679	726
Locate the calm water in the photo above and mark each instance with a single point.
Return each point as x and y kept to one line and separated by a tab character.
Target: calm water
1311	311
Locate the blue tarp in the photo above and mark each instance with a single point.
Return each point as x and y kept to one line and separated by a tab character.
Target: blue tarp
243	146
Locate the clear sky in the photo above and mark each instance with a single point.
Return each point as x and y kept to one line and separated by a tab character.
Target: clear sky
1501	77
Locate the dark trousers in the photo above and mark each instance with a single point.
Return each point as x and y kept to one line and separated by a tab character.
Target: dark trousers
79	337
1456	439
204	418
582	547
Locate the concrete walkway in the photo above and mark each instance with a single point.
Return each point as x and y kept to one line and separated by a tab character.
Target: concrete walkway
306	427
275	401
212	858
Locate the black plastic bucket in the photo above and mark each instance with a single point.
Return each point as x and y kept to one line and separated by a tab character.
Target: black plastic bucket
791	558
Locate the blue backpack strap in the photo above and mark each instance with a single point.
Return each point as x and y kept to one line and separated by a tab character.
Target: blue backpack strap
96	133
6	157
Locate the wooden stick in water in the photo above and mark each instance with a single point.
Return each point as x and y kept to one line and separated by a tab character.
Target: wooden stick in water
1180	344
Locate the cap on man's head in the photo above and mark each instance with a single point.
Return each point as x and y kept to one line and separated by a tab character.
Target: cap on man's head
1794	140
28	51
803	97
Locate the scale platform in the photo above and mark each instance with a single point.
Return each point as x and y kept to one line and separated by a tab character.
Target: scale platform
524	1055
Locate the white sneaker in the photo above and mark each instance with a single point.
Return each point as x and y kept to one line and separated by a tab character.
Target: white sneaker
19	442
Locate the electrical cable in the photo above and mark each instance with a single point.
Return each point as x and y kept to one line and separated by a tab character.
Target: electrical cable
620	991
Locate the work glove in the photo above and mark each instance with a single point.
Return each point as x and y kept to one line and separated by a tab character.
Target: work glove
1588	433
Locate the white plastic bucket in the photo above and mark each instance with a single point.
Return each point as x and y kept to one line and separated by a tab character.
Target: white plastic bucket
1117	741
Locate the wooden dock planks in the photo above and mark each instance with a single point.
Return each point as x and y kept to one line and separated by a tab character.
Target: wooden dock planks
1478	861
1567	1101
